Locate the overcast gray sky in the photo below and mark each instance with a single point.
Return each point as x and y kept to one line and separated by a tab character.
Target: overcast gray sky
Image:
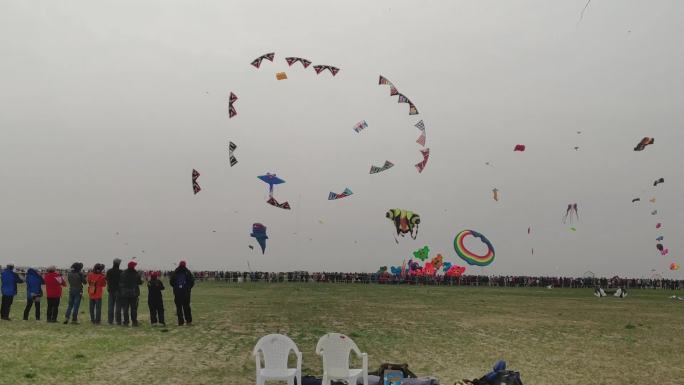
108	106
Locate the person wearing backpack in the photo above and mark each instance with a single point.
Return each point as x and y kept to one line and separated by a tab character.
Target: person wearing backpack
182	282
34	292
129	292
96	285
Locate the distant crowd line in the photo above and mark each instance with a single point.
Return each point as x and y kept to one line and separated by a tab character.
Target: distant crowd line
465	280
123	292
123	287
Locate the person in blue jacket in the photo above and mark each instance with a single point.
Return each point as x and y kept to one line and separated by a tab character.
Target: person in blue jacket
10	279
34	292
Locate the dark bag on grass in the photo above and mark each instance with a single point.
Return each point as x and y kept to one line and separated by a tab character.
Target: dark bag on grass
402	367
502	377
311	380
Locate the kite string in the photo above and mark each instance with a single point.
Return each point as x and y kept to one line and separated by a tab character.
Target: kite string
582	13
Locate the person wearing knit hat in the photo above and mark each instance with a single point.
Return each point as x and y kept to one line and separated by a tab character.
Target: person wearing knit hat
113	276
182	282
10	279
154	299
76	280
129	293
96	285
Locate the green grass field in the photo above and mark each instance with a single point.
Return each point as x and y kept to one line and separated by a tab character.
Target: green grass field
550	336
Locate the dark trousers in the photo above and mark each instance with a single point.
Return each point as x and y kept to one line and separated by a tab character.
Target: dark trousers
156	311
126	305
6	305
111	308
182	301
27	309
53	308
95	310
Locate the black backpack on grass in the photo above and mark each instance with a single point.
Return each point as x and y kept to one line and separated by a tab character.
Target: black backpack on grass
502	377
498	376
401	367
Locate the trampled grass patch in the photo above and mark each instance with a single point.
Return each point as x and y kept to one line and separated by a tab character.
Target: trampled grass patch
551	336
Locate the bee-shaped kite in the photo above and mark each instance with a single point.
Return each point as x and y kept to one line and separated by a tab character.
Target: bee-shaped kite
405	222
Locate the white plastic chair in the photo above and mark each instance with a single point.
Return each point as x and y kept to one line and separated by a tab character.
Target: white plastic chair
335	349
275	350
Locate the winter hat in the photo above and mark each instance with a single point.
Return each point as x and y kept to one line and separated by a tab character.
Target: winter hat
116	262
132	264
181	264
154	274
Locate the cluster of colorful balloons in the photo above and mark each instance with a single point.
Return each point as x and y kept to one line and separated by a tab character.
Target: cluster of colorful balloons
429	268
436	265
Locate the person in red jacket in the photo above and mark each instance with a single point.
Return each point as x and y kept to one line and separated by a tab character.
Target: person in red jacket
53	288
96	284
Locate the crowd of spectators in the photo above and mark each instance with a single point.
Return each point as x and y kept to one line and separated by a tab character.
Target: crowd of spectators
465	280
121	288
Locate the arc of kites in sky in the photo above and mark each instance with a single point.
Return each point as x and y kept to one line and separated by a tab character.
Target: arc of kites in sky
420	125
659	245
272	179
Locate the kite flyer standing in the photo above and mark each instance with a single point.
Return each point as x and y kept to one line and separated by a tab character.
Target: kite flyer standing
182	282
113	276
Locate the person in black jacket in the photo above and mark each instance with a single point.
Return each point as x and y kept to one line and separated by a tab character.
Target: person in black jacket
154	299
128	294
76	280
113	276
182	282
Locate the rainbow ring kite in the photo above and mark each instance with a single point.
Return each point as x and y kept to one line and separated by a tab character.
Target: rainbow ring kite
467	255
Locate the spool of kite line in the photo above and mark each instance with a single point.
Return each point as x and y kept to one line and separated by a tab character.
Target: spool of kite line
469	256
